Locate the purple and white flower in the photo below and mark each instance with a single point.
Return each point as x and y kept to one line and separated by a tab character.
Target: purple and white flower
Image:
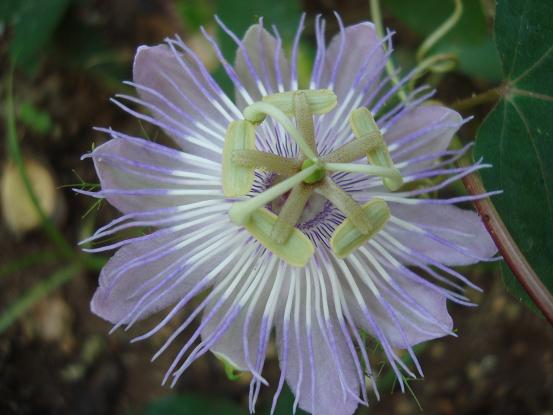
298	214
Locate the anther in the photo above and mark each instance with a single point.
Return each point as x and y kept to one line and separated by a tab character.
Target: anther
237	179
347	237
363	125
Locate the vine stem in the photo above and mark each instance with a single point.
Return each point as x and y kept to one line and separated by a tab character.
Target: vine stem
15	155
490	95
514	258
376	15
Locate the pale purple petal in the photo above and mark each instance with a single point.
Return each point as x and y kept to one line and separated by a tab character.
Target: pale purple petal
138	175
134	275
313	359
465	237
230	344
422	130
354	55
407	311
259	69
173	89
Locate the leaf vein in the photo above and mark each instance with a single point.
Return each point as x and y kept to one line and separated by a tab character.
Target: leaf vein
533	66
548	192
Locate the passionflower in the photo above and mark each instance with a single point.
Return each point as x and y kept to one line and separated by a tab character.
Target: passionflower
303	213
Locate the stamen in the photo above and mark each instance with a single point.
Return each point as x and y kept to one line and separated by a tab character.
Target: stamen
296	251
256	113
347	237
346	204
266	161
363	125
290	213
237	179
320	101
240	211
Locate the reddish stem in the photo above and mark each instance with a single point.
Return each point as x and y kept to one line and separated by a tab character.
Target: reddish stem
509	249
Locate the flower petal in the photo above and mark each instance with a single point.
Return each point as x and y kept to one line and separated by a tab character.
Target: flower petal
183	103
423	130
317	360
261	65
133	272
461	228
138	175
353	57
231	343
405	327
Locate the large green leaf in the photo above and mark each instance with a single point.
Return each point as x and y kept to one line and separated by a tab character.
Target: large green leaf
468	39
34	22
517	136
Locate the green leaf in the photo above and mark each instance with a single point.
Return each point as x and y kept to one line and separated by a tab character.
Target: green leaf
468	39
190	405
517	136
34	22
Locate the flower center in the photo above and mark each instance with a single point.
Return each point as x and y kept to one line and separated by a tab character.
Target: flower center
302	177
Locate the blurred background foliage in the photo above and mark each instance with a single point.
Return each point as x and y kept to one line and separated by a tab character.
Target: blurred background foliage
60	61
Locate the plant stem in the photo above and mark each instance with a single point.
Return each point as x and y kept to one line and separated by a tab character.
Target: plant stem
490	95
15	154
509	249
376	15
40	290
25	262
441	31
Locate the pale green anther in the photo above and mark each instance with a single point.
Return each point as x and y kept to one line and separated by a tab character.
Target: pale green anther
296	251
363	125
241	211
317	175
320	101
347	237
237	179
